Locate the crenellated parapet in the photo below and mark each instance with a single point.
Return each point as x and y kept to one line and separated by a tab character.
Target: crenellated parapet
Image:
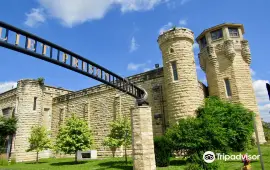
176	33
246	51
229	49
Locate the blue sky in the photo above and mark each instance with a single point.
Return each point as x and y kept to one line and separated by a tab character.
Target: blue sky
121	35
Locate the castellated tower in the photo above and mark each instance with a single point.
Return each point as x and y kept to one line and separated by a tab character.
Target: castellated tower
180	77
225	58
28	111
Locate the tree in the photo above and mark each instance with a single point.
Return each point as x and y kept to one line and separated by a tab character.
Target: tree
8	126
120	134
39	140
220	126
74	136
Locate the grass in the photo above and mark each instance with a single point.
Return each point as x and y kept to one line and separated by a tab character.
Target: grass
119	163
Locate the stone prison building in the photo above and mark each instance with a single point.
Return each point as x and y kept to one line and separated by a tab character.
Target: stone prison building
174	91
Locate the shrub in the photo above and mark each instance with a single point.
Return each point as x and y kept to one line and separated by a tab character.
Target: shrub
220	126
193	167
210	166
163	151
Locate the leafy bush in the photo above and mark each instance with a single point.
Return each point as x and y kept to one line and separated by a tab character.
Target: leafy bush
210	166
8	126
234	119
163	151
220	126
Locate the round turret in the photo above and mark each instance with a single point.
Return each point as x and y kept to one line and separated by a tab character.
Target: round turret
180	77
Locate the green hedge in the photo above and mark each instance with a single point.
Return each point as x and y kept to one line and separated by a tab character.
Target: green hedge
163	151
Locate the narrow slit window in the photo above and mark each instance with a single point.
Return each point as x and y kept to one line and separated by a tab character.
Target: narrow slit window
174	70
35	103
228	87
61	116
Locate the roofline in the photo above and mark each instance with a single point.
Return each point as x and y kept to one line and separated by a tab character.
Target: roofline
8	91
59	88
219	26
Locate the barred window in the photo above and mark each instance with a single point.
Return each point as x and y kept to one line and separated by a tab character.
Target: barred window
216	34
174	70
233	32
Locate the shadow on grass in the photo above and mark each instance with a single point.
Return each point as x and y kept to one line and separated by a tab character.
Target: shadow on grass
68	163
116	165
34	163
178	162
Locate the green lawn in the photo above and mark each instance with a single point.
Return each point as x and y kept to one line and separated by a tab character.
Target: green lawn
119	164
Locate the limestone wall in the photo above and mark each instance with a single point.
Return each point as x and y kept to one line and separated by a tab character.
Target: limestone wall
8	101
28	116
101	104
98	105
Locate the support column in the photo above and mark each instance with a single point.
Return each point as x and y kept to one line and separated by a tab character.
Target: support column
142	138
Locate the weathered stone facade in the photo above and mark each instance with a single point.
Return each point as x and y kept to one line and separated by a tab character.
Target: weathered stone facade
181	84
173	91
226	62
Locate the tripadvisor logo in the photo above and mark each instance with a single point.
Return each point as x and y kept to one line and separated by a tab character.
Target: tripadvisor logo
210	157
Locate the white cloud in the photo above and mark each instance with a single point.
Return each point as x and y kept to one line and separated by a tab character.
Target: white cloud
195	46
71	12
35	17
260	90
5	86
138	5
262	98
265	107
165	27
183	22
133	45
135	67
184	2
252	72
